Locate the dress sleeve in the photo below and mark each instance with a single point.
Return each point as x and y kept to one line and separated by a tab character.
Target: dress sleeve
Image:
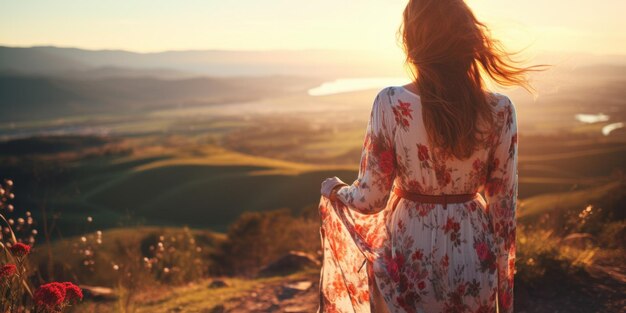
369	193
501	195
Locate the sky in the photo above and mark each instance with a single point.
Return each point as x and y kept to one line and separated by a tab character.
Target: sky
595	27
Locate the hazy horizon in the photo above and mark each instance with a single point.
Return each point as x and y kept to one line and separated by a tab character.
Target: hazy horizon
537	52
141	26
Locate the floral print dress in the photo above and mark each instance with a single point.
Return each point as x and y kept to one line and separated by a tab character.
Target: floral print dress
422	257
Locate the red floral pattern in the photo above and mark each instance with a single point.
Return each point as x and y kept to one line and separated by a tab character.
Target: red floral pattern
402	113
421	257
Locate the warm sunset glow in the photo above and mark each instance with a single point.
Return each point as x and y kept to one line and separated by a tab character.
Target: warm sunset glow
142	25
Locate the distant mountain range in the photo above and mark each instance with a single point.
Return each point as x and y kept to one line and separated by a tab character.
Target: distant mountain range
45	82
74	61
50	82
24	97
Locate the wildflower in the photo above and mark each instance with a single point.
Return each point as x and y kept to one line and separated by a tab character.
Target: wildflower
73	293
49	296
7	270
19	249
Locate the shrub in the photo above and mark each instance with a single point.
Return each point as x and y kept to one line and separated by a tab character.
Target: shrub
541	259
257	238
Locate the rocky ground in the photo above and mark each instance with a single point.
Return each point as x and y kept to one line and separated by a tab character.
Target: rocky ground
292	295
601	288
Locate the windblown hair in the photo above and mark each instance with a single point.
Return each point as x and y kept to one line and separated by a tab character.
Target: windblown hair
449	51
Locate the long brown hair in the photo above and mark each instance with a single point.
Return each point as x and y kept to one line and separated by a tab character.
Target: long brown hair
448	49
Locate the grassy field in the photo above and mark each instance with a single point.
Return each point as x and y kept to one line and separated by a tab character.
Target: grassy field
555	203
203	166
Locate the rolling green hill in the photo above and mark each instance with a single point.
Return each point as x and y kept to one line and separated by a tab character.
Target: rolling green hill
32	97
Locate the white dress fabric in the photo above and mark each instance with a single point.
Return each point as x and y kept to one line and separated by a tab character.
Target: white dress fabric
421	257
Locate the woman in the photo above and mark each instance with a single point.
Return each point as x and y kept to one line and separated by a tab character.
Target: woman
412	233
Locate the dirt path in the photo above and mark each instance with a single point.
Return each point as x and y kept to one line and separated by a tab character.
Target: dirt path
292	295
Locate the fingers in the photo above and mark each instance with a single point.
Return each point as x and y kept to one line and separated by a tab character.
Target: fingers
327	185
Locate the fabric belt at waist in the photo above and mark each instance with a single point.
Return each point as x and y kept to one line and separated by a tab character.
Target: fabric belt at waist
440	199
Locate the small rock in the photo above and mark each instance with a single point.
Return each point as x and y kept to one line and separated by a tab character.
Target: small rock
290	290
295	309
579	240
97	293
176	309
217	309
301	285
218	283
273	307
289	263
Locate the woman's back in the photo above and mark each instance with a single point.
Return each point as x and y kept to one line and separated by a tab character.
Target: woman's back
426	168
427	257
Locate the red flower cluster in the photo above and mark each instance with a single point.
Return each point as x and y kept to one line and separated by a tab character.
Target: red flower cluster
473	206
417	255
494	186
445	261
52	295
401	112
483	251
478	165
394	266
505	300
422	152
386	161
19	249
8	270
73	293
442	174
495	162
451	224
